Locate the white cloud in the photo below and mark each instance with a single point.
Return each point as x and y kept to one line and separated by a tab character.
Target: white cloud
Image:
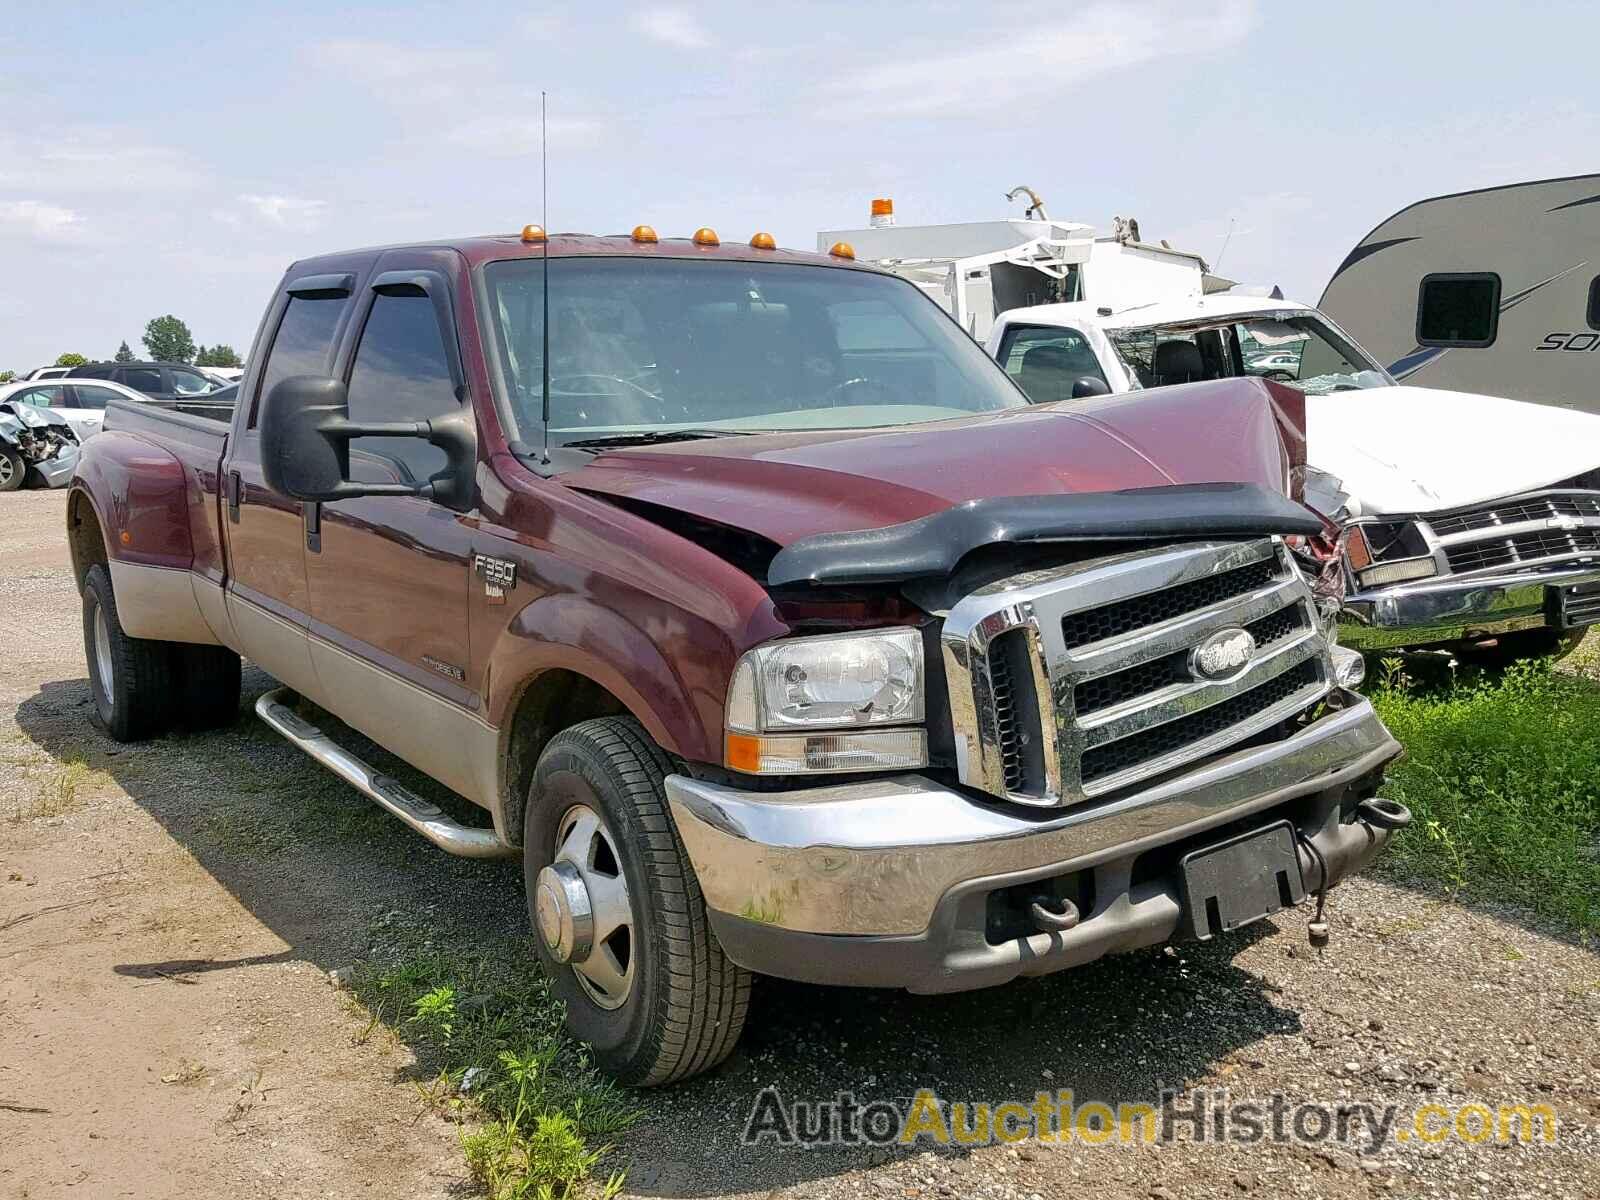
92	159
1031	63
36	219
292	213
516	134
672	26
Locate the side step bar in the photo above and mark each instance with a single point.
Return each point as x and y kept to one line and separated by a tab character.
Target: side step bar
389	794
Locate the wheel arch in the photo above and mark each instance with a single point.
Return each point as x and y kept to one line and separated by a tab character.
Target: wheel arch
86	539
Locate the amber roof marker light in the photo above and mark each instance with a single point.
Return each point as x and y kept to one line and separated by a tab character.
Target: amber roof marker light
534	234
763	241
705	236
644	235
843	250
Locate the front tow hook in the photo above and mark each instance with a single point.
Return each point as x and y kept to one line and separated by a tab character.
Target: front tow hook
1052	914
1384	814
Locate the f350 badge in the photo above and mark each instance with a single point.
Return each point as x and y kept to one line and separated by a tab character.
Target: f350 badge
498	575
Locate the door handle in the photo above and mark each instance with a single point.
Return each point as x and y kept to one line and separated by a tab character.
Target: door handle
235	489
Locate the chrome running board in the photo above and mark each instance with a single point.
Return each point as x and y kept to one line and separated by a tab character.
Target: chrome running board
387	793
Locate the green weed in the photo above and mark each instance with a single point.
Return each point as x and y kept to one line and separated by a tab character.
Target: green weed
1503	777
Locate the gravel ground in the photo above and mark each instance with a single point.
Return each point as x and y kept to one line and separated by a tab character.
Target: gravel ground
179	910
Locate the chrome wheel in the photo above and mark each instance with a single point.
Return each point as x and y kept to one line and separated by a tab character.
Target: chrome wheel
582	909
102	651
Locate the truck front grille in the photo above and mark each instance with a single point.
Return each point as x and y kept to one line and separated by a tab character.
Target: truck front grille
1521	534
1077	682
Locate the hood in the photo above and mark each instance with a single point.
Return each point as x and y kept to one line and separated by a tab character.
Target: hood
1400	450
786	486
16	416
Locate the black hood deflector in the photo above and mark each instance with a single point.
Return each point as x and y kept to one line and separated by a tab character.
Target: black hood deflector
933	546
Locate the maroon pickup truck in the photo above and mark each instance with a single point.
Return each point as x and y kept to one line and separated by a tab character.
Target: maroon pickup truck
767	620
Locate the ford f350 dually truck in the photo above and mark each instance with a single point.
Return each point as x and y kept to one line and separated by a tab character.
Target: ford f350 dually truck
770	624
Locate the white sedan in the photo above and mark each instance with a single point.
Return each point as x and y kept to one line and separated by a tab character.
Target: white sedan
81	401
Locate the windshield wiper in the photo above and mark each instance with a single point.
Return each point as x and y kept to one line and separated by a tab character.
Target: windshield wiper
651	437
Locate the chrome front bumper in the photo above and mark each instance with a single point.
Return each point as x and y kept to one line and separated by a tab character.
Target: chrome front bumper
1453	610
874	882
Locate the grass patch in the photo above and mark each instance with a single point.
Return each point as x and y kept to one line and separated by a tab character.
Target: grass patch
487	1035
1503	778
58	793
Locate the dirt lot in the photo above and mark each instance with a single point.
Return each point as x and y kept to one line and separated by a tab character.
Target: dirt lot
170	913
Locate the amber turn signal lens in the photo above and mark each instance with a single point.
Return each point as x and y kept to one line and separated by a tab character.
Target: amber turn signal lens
743	752
706	237
1357	550
534	233
763	241
645	234
843	250
883	208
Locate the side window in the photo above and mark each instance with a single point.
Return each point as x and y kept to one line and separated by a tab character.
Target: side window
37	396
143	379
96	372
1046	363
1594	303
303	343
86	395
188	383
1458	309
400	374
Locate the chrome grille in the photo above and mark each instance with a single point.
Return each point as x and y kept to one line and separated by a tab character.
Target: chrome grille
1519	534
1072	683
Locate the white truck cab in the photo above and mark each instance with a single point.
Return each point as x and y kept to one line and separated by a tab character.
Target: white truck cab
1471	522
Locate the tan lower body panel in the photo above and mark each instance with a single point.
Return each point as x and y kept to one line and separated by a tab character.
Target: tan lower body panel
162	604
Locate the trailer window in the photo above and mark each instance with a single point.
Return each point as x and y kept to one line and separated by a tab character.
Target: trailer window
1458	309
1594	303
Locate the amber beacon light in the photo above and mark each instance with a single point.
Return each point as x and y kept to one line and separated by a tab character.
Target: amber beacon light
843	250
763	241
644	235
534	233
706	237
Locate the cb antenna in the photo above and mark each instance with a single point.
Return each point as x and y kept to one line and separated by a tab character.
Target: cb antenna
544	204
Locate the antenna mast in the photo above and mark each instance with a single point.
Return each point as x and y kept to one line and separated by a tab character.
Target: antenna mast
544	204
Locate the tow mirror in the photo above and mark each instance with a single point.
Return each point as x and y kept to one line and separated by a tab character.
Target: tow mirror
306	432
1088	386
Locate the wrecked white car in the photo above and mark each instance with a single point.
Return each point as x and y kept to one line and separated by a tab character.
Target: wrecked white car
1470	522
36	445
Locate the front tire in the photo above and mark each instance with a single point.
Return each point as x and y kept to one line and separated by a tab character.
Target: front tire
619	922
13	469
130	678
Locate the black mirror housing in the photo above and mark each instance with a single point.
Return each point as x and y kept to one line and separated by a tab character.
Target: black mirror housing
305	451
306	430
1088	386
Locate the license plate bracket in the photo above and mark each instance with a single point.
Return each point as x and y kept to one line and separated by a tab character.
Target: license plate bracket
1241	880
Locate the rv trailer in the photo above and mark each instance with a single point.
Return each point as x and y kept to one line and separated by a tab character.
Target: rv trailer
1494	291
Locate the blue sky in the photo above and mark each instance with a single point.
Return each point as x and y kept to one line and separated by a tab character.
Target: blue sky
175	158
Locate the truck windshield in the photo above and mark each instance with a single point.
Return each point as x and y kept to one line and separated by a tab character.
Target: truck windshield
647	346
1293	348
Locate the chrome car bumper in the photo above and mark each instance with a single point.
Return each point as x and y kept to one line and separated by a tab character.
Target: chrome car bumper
884	882
1454	610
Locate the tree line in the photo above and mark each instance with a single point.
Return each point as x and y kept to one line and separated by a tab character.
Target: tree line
166	339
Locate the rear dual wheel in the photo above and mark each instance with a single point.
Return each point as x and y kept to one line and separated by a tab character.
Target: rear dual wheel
143	687
619	922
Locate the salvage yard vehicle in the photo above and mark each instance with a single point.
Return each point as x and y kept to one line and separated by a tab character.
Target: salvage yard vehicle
36	444
82	403
1472	523
769	623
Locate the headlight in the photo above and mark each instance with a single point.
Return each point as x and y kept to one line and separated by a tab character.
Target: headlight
819	704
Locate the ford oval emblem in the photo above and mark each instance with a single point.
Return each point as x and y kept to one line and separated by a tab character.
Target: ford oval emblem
1222	655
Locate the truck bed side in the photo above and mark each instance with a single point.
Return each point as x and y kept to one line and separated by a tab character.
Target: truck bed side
145	502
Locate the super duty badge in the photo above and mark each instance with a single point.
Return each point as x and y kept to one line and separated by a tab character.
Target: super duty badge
498	575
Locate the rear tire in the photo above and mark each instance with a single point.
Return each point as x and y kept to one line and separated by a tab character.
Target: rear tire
130	678
207	691
679	1006
13	470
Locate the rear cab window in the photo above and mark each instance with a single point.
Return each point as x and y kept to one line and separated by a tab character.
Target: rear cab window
303	342
1047	362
